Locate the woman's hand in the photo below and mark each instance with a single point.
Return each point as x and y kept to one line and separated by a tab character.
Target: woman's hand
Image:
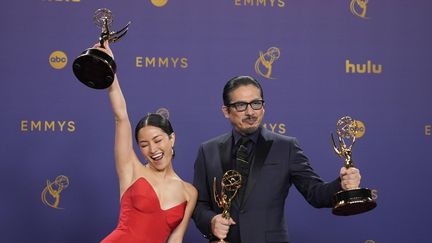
106	48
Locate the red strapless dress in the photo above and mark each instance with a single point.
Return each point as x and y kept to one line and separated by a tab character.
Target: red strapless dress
141	217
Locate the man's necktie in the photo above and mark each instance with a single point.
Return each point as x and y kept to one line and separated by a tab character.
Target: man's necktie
242	164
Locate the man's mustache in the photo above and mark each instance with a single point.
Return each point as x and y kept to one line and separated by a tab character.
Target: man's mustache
249	118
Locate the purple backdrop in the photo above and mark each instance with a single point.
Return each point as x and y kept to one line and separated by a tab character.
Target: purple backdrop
332	61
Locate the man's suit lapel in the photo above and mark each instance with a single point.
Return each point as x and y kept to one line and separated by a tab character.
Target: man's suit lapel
225	153
262	149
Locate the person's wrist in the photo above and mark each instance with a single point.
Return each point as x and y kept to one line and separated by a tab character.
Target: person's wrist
211	236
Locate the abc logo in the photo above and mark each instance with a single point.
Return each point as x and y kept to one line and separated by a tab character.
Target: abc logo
361	129
58	60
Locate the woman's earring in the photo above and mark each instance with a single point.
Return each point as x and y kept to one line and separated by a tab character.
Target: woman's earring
172	151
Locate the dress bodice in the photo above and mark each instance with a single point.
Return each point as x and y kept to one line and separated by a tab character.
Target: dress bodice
142	219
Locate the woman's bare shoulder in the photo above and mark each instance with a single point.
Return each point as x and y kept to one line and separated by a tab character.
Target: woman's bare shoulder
190	190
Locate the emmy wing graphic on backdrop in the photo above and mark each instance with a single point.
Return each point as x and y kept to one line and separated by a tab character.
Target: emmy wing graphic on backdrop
352	201
359	8
51	193
264	63
94	67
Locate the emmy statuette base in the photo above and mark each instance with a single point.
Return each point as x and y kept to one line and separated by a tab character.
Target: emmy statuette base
354	201
95	68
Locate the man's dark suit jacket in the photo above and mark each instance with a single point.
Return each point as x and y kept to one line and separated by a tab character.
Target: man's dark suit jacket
278	163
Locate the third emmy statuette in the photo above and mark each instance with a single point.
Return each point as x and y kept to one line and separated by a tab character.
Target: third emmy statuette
93	67
231	182
352	201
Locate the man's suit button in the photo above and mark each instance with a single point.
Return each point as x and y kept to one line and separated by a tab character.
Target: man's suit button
242	211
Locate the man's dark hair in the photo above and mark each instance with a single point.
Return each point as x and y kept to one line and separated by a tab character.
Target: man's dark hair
235	82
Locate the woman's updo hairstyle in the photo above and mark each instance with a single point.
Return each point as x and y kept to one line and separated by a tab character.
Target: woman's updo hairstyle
156	120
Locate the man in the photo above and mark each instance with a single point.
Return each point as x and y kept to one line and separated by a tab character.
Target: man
272	163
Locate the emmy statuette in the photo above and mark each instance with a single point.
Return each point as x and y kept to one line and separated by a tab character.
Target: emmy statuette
230	184
93	67
352	201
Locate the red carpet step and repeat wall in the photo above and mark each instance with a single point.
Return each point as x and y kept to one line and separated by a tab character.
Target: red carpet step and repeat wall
317	61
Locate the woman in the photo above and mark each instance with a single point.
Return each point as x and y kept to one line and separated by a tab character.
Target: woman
155	204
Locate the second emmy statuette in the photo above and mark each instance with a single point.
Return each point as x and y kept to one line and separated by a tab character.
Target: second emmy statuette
352	201
231	182
93	67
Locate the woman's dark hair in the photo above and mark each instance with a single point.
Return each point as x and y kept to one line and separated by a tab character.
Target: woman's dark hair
235	82
155	120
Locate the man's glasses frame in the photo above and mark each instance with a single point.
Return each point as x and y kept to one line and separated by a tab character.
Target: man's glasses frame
242	106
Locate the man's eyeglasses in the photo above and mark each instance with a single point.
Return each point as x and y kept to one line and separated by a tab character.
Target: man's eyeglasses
242	106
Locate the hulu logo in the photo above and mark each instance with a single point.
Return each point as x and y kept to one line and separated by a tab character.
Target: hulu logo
369	68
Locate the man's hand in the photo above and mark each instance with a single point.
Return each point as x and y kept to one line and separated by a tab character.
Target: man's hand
220	226
350	178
